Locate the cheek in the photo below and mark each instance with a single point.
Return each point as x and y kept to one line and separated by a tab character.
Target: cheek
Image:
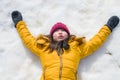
65	34
55	36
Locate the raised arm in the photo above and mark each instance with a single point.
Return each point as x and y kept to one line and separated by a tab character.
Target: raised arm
25	35
94	43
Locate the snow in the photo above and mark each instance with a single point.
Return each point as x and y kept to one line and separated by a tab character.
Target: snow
84	18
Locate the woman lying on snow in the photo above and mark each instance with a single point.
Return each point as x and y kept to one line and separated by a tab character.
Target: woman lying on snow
60	52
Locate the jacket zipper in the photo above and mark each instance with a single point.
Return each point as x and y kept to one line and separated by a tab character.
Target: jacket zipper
61	65
60	70
44	74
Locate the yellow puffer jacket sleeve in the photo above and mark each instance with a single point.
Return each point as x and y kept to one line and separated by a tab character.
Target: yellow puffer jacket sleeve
27	37
94	43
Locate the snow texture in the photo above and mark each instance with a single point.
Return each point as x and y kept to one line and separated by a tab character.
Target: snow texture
83	17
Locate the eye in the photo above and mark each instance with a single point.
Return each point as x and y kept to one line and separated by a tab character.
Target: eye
60	30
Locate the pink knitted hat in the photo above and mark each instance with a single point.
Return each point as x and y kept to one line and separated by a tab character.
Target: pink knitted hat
59	25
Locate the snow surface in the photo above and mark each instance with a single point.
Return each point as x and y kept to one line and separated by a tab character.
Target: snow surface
83	17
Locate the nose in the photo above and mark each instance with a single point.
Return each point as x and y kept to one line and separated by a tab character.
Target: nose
60	31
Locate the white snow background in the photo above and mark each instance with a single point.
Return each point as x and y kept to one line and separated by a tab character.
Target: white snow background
83	17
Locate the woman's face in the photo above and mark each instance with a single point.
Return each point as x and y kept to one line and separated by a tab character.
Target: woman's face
60	35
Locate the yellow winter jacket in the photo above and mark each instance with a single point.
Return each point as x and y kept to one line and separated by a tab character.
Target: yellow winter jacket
67	63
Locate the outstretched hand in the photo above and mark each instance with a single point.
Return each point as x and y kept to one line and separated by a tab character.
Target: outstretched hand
113	22
16	17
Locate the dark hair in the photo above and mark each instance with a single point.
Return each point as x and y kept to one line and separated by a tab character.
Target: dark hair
58	46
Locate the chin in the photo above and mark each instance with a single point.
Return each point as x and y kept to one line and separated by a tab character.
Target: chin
60	40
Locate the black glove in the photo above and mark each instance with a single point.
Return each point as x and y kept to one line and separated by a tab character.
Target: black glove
113	22
16	17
